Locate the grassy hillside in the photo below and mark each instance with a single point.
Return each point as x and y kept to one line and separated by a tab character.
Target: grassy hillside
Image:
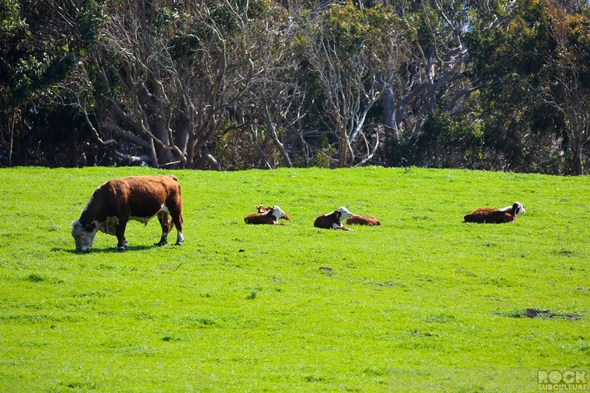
423	303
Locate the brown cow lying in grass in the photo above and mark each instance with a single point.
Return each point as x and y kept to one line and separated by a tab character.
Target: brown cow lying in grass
495	216
333	220
270	216
362	220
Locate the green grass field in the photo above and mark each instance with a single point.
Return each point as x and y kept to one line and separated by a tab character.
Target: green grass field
424	303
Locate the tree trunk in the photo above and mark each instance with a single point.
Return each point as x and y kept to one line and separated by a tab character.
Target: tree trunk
11	147
164	154
388	102
343	146
578	158
273	134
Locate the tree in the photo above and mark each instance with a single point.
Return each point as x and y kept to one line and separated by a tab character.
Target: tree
536	106
436	74
567	75
164	74
349	50
39	47
275	90
265	114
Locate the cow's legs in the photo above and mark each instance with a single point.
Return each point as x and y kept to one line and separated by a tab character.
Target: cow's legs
178	220
166	227
179	239
120	233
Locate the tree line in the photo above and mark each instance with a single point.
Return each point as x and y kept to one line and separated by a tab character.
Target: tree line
237	84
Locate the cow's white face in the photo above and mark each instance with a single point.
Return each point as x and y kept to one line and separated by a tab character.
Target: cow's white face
277	212
519	209
516	208
344	213
83	235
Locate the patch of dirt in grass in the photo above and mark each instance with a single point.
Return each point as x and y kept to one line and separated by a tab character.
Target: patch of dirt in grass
328	271
423	334
566	253
385	284
540	314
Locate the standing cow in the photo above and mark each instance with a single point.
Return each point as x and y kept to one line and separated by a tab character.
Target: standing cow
139	198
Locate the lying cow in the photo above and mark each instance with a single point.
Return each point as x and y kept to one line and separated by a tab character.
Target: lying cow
139	198
362	220
333	220
269	216
262	209
495	216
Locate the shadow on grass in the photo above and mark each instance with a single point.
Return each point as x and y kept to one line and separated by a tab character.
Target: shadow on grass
105	249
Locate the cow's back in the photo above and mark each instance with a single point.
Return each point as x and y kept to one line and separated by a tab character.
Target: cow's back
363	220
489	216
326	221
146	195
134	196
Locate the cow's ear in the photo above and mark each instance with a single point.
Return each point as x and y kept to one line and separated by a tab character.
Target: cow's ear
90	227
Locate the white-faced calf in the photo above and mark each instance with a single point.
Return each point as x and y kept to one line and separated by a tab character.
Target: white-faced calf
333	220
262	209
270	216
495	216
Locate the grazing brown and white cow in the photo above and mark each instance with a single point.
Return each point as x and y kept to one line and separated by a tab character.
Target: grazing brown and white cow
262	209
362	220
139	198
268	216
495	216
333	220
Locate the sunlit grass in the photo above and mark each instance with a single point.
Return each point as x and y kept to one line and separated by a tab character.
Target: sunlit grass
424	302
